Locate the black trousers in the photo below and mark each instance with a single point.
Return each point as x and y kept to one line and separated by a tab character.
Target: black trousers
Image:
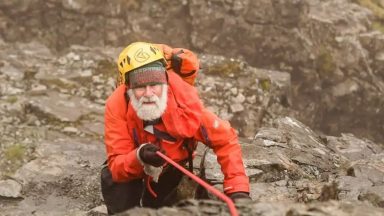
119	197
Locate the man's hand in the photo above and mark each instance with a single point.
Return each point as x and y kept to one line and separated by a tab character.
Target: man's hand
236	196
148	155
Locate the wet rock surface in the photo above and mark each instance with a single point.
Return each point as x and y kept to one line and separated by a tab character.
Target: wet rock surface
55	104
51	164
57	68
330	208
291	162
334	59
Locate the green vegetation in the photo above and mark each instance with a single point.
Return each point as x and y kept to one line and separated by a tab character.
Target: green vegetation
379	26
12	157
15	153
325	62
224	68
374	5
11	99
265	85
377	7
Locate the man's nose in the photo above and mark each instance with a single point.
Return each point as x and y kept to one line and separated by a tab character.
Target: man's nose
148	91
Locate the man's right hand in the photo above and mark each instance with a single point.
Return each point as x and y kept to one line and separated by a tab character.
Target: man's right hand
148	155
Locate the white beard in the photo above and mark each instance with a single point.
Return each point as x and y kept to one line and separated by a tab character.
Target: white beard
149	112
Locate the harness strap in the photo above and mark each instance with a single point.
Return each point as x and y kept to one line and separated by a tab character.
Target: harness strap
189	145
163	135
135	137
204	133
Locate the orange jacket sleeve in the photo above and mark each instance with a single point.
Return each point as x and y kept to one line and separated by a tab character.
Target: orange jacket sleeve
121	151
224	142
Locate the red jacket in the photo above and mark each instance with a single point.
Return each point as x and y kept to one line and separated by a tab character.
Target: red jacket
182	119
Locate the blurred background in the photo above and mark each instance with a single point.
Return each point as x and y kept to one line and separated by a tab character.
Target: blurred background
332	50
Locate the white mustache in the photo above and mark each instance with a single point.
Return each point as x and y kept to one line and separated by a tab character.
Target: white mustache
153	98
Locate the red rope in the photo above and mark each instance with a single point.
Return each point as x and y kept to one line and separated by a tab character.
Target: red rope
210	188
148	181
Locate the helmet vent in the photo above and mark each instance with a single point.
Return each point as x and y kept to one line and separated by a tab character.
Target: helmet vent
153	50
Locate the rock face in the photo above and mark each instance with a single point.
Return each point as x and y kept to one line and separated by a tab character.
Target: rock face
335	59
51	129
318	67
296	164
330	208
246	96
55	105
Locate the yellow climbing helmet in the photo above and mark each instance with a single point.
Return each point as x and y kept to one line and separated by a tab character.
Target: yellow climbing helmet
136	55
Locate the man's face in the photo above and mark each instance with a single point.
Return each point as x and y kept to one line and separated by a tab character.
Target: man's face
148	91
150	101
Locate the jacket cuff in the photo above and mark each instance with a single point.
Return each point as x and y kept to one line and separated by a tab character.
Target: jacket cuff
236	184
138	155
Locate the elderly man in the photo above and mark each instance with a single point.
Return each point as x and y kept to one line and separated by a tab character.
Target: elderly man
156	110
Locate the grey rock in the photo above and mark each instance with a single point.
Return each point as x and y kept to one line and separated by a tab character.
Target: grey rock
10	189
371	168
331	208
340	66
236	108
351	147
99	210
55	106
351	187
373	195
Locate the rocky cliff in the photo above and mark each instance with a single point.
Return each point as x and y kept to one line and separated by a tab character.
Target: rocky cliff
335	59
289	75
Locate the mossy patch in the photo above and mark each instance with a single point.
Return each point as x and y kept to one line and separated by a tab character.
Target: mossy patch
11	99
12	157
379	26
226	68
15	153
374	5
325	63
377	7
265	85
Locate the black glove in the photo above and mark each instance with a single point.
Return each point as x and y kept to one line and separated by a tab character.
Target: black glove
148	155
236	196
